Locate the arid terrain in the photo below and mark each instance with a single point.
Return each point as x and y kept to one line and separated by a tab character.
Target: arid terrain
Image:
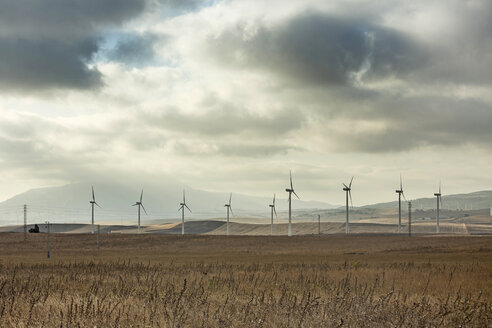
245	281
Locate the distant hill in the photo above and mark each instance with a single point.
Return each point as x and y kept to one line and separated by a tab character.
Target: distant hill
70	203
471	201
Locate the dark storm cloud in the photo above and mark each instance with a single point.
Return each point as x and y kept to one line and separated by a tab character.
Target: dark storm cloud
48	44
321	49
463	55
40	64
64	17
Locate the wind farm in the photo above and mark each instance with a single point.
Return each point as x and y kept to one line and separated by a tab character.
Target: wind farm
245	164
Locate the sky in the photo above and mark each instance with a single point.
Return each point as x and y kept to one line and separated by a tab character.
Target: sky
231	95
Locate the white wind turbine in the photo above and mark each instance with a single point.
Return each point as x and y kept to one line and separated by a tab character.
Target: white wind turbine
273	210
93	202
348	193
400	193
290	191
229	208
439	202
182	209
140	204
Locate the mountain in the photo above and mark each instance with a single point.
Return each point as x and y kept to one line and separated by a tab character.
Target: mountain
70	203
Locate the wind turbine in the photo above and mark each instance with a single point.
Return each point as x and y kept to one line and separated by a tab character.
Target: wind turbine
400	193
347	194
182	209
272	206
439	202
139	204
291	191
93	202
229	208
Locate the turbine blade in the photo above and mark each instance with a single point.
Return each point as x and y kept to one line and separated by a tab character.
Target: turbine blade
135	204
93	197
273	199
295	194
141	195
180	208
143	208
231	210
350	184
291	186
188	208
97	204
440	200
401	184
184	199
439	186
350	194
230	198
404	196
345	185
275	211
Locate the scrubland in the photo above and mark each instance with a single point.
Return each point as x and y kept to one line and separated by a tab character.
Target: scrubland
245	281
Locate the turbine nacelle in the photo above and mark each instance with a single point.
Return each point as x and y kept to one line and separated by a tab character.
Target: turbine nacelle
139	203
183	204
93	201
273	206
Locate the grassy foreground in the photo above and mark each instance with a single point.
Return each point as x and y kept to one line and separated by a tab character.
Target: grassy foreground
241	281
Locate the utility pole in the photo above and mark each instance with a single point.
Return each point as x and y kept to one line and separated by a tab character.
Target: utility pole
25	222
98	232
48	240
319	225
409	219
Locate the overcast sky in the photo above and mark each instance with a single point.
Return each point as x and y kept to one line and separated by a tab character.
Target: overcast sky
231	95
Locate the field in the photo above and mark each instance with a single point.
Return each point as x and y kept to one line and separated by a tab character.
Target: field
155	280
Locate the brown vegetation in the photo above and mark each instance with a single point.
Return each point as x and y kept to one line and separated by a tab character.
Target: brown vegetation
240	281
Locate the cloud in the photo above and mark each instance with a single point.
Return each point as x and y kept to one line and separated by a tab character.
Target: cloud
40	64
318	48
135	50
49	44
213	116
190	87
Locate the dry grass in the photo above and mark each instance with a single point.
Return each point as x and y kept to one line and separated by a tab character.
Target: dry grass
212	281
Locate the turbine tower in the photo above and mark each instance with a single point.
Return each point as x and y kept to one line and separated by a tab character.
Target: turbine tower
272	207
400	193
140	204
347	194
93	202
439	202
229	208
291	191
182	209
